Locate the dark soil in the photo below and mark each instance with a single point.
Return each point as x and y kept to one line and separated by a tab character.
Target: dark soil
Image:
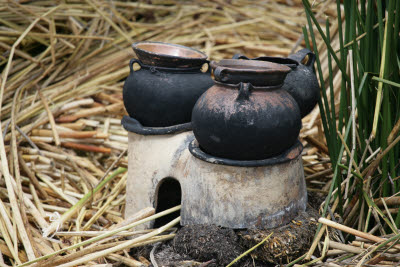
286	243
213	246
208	242
315	200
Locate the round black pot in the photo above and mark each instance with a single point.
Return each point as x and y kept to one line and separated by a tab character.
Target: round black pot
242	121
301	82
160	96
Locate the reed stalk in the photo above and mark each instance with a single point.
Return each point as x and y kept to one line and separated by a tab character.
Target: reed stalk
366	106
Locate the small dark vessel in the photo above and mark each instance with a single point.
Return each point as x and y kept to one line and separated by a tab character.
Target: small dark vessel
301	82
170	80
246	115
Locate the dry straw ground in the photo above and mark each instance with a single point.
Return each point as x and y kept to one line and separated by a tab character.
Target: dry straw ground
62	148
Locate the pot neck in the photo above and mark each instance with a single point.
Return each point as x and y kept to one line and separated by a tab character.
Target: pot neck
237	86
291	63
176	70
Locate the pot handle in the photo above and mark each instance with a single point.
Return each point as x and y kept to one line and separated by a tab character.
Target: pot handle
219	72
244	91
212	64
133	61
240	56
301	54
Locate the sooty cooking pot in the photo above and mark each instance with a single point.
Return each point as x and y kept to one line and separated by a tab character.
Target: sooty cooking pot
246	115
164	90
301	82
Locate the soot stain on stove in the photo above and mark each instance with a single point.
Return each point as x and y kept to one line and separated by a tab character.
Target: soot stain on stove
182	147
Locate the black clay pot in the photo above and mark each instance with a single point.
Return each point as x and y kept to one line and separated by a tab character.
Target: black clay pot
162	97
237	120
163	91
301	82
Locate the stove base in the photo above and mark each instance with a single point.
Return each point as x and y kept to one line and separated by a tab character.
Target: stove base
229	196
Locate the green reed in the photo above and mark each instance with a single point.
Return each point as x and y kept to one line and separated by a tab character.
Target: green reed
376	101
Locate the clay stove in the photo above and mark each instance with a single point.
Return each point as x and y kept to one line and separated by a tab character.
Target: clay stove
166	167
245	113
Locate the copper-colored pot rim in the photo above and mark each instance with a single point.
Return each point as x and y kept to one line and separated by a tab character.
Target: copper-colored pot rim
136	46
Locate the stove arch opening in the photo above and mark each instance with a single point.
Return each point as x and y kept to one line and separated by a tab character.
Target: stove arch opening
168	195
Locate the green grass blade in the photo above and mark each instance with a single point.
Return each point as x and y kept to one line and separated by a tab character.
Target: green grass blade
248	251
323	109
332	126
386	81
384	62
338	62
371	203
343	57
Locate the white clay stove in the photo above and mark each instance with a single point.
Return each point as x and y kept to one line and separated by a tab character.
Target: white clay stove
163	172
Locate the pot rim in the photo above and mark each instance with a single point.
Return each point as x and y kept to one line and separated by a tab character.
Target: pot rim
250	66
135	46
292	153
134	126
291	63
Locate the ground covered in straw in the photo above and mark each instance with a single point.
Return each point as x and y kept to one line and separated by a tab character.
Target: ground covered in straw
62	148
